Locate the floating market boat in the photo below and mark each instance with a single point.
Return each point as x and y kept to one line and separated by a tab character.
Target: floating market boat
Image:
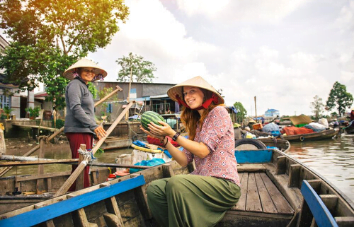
276	191
326	134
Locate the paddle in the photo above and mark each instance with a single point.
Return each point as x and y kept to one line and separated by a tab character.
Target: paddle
65	187
5	170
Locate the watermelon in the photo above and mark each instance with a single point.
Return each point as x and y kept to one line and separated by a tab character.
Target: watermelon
150	116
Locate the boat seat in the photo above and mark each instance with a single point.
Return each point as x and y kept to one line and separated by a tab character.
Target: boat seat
261	203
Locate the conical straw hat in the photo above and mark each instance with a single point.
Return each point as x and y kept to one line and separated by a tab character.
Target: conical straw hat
197	81
83	62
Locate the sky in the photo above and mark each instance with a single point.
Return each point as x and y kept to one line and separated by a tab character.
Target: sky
283	52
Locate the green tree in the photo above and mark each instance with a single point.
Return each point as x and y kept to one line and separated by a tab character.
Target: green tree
134	68
339	98
241	112
317	107
48	36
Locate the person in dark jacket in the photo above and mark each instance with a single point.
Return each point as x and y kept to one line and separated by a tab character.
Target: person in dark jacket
80	126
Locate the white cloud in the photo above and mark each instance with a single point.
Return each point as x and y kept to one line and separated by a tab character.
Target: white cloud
154	33
206	7
250	10
345	19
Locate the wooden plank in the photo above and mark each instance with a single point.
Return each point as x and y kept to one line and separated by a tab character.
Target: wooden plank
251	168
253	202
331	202
95	177
313	223
241	204
40	162
49	223
141	197
79	183
40	215
281	165
40	182
319	210
111	220
80	219
112	207
266	201
118	165
65	187
345	221
281	204
48	175
294	175
49	184
240	177
292	195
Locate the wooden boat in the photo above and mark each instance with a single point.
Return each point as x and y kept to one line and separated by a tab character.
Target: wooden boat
276	191
326	134
349	129
281	144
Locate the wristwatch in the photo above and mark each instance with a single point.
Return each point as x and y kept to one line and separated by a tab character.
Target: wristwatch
175	136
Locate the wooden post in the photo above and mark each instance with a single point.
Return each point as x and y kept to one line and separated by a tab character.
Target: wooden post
5	170
130	85
40	182
80	178
255	106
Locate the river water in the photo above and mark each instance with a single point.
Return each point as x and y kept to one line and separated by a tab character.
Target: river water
333	159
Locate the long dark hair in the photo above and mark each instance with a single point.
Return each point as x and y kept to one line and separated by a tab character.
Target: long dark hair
191	118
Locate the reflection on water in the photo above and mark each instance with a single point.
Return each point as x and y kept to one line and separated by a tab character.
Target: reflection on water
333	159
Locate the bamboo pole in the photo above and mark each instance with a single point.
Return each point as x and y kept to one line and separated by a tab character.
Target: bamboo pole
5	170
20	158
39	162
65	187
69	162
40	182
117	165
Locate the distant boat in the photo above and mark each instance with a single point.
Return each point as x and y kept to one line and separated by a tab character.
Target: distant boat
350	128
326	134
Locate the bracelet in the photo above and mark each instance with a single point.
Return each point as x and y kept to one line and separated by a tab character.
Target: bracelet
166	142
175	136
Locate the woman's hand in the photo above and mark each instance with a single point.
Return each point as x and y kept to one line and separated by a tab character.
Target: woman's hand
152	135
164	130
100	132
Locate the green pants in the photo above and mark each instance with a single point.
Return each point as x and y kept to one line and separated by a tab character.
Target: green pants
191	200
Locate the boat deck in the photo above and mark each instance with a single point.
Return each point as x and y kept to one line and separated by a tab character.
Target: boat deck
261	202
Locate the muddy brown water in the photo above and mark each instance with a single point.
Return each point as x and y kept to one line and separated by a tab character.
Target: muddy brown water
333	159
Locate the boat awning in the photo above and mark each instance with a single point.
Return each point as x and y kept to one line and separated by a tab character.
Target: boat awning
302	119
165	96
142	99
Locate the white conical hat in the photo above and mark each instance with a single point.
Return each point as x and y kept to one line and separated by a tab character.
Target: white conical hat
83	62
197	81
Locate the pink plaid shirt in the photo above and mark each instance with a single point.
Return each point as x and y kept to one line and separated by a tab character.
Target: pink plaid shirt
218	134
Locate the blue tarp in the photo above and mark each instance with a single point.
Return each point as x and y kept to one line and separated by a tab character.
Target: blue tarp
152	162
